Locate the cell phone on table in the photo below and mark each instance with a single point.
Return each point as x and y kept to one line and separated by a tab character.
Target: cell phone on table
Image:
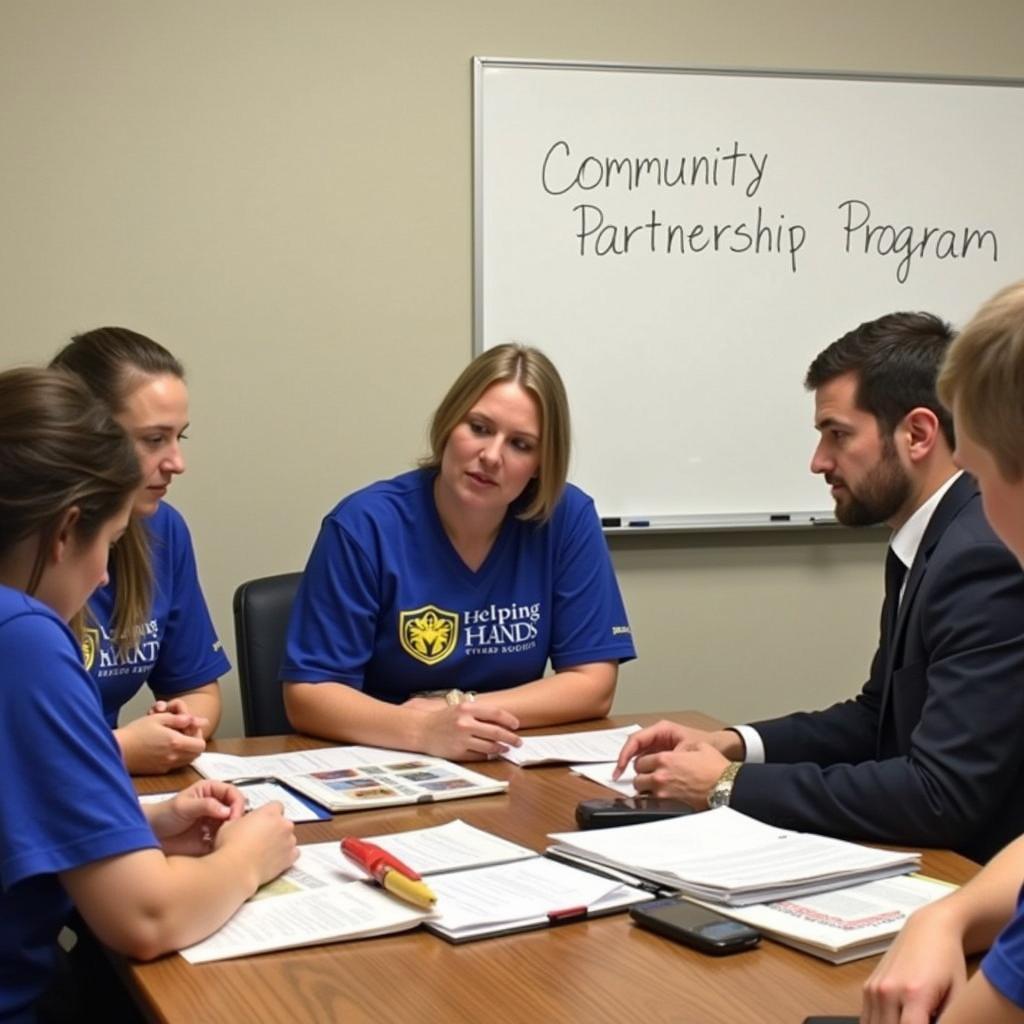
695	926
631	810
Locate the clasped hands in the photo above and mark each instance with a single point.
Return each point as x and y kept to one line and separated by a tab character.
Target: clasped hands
679	762
470	731
169	736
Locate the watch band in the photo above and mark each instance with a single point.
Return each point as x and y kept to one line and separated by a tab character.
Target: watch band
721	792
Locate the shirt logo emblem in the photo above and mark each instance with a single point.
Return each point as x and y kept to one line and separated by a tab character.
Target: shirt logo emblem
428	633
90	644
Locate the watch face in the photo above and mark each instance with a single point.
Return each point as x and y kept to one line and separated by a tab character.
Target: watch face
719	796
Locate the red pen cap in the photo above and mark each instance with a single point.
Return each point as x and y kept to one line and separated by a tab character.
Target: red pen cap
372	858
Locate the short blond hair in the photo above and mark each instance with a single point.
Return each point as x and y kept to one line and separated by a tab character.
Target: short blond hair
983	376
537	376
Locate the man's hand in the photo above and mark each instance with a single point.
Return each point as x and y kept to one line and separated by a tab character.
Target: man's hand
686	773
670	735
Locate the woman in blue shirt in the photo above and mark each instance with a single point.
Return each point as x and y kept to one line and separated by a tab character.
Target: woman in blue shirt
146	880
432	602
150	623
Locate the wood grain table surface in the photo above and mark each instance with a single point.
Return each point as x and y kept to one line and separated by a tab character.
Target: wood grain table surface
589	972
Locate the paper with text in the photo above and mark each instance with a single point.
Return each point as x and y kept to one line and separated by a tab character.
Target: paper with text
570	747
728	857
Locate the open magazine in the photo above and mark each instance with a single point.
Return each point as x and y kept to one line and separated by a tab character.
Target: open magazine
354	778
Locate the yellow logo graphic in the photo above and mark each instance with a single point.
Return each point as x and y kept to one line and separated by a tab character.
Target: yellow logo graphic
428	633
90	644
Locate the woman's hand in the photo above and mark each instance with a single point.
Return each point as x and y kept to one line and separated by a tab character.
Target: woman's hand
188	823
161	741
269	836
468	732
425	703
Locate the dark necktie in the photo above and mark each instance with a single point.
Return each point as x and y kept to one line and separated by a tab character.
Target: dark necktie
895	573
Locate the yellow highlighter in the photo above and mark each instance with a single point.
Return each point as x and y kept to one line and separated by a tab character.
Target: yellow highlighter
389	871
408	889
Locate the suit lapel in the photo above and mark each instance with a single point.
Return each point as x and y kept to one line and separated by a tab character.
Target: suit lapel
953	501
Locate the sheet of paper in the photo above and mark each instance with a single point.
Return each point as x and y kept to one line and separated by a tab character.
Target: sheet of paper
513	892
450	847
213	765
282	919
258	794
571	747
602	775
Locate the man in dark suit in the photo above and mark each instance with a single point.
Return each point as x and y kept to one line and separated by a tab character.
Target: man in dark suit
929	752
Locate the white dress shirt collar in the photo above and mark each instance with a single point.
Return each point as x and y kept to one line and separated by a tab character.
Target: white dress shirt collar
907	539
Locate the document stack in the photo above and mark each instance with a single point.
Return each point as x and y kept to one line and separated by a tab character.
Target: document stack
727	858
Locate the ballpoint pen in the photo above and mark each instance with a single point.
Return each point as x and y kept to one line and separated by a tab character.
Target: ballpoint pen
389	871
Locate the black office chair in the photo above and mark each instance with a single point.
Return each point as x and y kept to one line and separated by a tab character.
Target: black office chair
262	608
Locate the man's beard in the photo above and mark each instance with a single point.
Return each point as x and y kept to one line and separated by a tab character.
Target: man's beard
881	494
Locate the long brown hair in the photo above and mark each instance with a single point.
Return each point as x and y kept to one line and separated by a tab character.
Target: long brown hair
113	362
59	449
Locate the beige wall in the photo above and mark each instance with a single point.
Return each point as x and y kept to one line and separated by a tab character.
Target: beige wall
281	192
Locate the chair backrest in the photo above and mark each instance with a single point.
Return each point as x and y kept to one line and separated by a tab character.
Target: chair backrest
262	608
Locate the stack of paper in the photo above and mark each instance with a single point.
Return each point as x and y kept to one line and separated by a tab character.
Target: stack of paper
845	924
355	778
570	747
725	857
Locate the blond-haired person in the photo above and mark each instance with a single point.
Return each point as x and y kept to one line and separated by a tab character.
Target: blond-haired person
924	973
432	602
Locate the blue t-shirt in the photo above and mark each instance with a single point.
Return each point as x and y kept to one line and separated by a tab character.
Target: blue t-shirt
387	605
66	799
177	649
1003	965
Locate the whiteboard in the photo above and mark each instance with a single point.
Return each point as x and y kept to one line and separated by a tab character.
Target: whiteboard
683	242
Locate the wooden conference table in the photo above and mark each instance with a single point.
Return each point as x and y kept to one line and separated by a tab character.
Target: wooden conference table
592	971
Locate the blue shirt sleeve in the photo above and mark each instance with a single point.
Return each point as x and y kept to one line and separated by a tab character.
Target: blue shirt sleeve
1003	965
67	800
333	624
589	621
190	651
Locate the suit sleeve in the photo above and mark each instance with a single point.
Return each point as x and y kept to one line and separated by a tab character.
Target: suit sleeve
965	750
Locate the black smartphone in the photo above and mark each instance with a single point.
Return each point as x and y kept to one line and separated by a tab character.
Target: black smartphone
632	810
695	926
